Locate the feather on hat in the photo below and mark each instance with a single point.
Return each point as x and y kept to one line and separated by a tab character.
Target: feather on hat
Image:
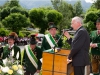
13	35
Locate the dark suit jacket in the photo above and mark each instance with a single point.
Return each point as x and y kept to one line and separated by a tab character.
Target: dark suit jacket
80	47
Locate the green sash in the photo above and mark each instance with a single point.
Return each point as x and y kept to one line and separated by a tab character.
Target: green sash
31	56
51	40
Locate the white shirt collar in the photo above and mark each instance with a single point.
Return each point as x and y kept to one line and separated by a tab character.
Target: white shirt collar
11	46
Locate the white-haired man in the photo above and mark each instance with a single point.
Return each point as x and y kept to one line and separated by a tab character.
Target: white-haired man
79	46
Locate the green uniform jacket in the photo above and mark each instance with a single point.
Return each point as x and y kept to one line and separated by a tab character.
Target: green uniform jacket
6	51
95	38
45	45
27	63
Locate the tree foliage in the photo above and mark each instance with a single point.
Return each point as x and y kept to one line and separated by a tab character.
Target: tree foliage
15	22
3	32
5	12
37	16
78	10
40	17
96	4
66	10
90	18
16	9
12	6
13	3
54	16
90	26
4	5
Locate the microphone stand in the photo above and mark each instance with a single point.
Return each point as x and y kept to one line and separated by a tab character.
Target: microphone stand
54	54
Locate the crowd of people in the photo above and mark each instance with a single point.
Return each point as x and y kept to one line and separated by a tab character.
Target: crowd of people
21	41
81	43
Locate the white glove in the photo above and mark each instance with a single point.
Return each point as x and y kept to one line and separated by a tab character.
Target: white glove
91	74
36	73
69	60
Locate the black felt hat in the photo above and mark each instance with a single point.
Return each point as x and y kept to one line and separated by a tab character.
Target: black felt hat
33	40
13	36
52	25
98	20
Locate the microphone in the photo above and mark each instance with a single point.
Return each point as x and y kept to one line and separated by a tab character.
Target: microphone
70	29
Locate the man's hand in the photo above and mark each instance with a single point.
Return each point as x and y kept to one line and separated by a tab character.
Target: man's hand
38	71
66	34
69	60
93	45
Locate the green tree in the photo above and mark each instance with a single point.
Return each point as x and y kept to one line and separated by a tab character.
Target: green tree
16	9
21	34
91	16
37	16
54	16
40	17
78	10
15	22
5	4
66	10
12	6
90	26
90	19
0	15
13	3
96	4
5	12
3	32
56	4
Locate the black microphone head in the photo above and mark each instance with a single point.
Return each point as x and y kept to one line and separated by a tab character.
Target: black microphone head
70	28
67	29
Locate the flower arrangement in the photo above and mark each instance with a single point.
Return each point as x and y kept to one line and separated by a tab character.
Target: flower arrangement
11	66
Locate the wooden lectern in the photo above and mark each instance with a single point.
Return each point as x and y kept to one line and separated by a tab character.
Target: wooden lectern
60	65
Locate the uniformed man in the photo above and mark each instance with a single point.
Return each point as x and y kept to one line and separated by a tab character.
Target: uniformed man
1	51
31	57
11	46
95	48
52	39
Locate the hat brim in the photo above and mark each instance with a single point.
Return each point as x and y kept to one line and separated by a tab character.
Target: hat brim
33	43
52	27
12	37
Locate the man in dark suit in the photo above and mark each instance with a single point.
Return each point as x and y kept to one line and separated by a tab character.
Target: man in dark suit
79	46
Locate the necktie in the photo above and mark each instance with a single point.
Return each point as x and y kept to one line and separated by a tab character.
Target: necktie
9	48
99	32
55	38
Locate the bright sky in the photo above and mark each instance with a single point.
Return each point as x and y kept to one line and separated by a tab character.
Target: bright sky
90	1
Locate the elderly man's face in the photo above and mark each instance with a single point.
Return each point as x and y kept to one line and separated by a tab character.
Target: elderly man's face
74	24
98	25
